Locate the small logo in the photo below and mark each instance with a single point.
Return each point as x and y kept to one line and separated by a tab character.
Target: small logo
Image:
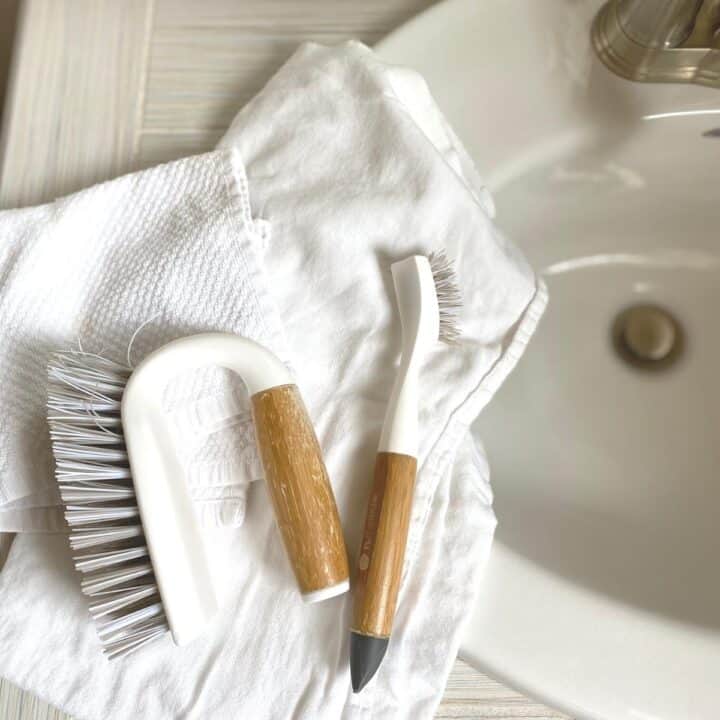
714	133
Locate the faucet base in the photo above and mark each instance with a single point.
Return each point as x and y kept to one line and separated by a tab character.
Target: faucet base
631	60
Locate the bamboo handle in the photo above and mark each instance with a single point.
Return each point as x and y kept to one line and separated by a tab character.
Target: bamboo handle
299	488
383	546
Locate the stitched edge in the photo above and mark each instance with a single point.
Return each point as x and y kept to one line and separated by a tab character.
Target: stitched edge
257	231
449	438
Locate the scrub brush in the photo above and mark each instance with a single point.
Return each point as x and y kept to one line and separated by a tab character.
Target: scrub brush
428	302
133	531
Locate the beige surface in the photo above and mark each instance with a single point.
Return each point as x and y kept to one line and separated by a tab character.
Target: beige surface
8	13
74	97
101	87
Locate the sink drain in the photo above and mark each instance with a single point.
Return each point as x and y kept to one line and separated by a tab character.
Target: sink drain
647	337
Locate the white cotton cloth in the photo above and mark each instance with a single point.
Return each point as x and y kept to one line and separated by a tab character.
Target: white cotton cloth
352	167
157	255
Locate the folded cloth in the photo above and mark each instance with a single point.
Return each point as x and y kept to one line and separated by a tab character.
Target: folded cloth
151	256
353	167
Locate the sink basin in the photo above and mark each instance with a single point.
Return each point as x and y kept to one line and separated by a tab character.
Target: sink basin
602	594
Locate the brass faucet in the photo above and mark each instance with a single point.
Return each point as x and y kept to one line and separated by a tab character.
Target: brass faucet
660	40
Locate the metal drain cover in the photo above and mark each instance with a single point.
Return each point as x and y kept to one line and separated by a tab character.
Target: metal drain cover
647	337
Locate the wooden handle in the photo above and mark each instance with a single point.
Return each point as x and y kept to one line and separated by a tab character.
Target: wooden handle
382	550
299	488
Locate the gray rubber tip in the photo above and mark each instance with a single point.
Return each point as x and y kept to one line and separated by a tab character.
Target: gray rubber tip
366	654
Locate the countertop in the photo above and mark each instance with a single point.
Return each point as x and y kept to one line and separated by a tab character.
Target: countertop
99	87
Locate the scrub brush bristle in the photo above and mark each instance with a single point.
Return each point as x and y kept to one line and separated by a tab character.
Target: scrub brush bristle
96	487
448	296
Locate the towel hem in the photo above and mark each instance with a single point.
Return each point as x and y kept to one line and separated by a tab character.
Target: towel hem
443	452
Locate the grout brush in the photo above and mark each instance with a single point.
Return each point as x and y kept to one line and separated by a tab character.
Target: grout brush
428	302
133	531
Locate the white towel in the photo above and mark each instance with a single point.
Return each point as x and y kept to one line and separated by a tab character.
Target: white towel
164	253
353	167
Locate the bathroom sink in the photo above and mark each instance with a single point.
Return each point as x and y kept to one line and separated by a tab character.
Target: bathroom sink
602	594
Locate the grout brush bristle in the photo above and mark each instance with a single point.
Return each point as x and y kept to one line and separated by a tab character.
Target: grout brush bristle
96	487
448	296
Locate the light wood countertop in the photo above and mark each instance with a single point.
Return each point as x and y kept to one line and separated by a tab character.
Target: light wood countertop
101	87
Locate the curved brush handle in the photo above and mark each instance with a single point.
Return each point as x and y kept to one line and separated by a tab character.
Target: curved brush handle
383	546
300	492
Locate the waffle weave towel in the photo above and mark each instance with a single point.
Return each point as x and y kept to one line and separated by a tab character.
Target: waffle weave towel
166	252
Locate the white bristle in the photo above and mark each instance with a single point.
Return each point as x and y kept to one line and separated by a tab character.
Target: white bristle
78	514
448	296
114	628
134	642
95	492
83	419
95	482
110	602
83	451
97	561
82	539
83	435
97	582
76	471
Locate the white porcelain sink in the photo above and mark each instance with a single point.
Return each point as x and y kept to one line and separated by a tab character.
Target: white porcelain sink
602	596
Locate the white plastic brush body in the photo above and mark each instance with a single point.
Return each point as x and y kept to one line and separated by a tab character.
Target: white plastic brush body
133	526
172	533
428	301
420	321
